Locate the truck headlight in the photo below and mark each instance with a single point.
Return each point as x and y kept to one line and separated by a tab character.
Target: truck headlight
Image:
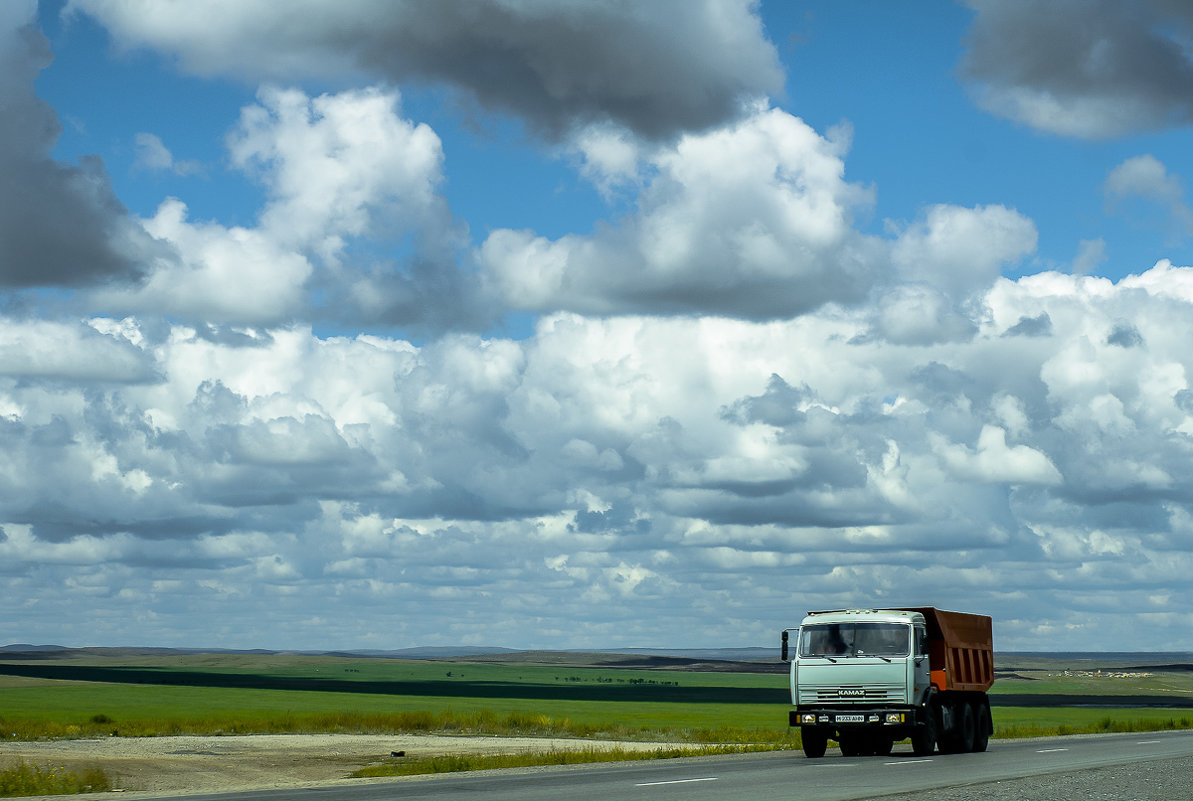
894	717
807	717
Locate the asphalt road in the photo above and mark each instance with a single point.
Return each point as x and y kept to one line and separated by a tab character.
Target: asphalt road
1131	767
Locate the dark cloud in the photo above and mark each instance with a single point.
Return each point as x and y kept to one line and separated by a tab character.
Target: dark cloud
658	68
232	337
778	406
1089	68
54	523
939	382
1037	326
428	295
794	509
1125	336
620	517
60	225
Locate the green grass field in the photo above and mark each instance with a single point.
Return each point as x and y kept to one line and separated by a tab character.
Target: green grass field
233	694
383	695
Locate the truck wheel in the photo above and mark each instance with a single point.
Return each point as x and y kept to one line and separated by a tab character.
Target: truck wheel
966	729
883	745
851	744
923	738
981	733
815	742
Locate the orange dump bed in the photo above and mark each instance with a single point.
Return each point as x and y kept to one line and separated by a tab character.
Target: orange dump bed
960	649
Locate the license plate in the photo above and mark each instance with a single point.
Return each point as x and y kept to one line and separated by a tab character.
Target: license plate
851	718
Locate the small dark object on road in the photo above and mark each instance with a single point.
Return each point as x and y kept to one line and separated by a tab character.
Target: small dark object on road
397	753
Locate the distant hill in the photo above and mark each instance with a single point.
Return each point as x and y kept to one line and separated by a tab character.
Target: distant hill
429	652
424	652
642	657
1105	656
726	654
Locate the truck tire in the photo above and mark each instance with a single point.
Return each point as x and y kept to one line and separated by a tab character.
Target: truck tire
958	737
851	744
815	742
966	728
981	734
883	745
923	738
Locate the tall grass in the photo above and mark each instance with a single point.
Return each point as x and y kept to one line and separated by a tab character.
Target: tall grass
1101	726
23	779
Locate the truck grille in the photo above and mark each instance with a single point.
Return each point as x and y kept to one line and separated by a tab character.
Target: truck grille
853	694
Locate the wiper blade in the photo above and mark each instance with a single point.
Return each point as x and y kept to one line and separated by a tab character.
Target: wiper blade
879	656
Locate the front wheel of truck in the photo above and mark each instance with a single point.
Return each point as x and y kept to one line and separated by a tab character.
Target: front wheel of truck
923	738
815	742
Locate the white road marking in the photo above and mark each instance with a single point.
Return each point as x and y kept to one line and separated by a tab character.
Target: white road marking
909	762
1148	742
1051	750
676	781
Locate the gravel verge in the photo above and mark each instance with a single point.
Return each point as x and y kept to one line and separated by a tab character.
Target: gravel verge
177	765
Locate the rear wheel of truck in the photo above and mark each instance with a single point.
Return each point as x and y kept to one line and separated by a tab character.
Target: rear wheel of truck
815	742
958	737
981	734
966	728
883	745
852	744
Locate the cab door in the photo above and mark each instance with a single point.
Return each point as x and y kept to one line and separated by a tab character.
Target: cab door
921	670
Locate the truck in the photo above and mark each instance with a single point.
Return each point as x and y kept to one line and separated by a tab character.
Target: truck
869	678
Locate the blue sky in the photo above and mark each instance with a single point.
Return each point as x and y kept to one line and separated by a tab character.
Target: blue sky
917	137
547	324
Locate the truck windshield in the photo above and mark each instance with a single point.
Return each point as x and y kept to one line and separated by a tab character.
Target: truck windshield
855	639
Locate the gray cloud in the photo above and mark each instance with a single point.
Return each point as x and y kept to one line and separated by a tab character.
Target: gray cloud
1145	181
1125	335
429	294
1038	326
60	225
656	68
1086	68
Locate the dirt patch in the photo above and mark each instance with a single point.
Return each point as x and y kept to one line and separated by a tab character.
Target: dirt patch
156	765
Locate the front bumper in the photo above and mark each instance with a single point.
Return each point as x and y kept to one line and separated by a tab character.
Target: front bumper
894	718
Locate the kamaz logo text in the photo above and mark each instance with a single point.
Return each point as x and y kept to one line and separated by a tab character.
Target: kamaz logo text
851	693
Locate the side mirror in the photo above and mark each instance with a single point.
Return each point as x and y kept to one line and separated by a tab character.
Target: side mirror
783	654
